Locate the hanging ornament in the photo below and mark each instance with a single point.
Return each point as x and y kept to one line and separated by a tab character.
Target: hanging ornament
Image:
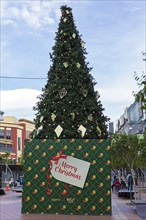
41	118
90	117
82	43
58	130
84	92
53	116
78	65
34	133
67	12
65	19
65	64
82	130
74	35
72	116
98	129
62	93
40	128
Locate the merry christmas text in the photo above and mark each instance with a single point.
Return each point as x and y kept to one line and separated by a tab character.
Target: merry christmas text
67	170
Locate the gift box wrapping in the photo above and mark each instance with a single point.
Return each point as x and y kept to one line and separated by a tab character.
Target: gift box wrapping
42	193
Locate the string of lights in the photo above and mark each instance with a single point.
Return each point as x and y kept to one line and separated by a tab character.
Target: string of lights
18	77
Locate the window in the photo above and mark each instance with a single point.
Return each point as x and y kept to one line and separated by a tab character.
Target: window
19	143
135	112
8	134
2	147
1	133
9	148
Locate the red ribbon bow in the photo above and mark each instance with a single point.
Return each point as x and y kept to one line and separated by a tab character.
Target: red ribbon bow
58	156
56	159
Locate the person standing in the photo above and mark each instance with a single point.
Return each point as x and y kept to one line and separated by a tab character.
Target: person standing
130	182
122	184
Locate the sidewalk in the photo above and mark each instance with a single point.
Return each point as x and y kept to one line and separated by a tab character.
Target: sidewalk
10	209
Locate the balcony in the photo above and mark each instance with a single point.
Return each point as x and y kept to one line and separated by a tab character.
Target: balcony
5	141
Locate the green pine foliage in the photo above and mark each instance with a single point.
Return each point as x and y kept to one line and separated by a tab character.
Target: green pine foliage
141	81
69	99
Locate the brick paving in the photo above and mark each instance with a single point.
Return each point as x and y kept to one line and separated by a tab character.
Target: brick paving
10	209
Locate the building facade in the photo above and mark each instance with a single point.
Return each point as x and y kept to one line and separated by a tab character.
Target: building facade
111	127
13	132
132	121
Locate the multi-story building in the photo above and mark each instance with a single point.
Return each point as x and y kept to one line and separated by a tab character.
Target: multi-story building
13	132
133	120
111	127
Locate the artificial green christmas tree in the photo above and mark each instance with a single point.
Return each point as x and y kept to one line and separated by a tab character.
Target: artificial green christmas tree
71	133
69	107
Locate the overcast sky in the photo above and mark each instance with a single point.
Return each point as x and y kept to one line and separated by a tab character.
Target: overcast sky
114	33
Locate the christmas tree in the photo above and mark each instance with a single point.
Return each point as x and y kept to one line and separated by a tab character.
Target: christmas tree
69	107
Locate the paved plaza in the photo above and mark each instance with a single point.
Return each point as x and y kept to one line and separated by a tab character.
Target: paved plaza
10	209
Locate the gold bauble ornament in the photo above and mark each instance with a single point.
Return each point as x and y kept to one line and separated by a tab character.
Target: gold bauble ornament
72	116
62	93
65	64
90	117
78	65
53	116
